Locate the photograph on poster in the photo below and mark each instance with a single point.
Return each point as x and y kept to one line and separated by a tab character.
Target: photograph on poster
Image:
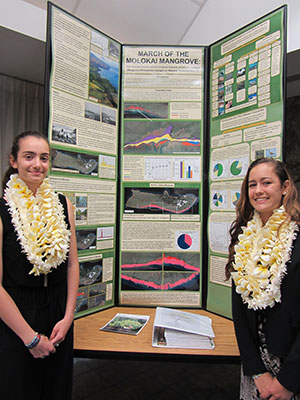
109	116
86	239
90	297
149	280
161	201
104	80
146	110
97	301
181	262
81	214
81	200
64	134
82	300
97	290
141	261
175	271
228	89
74	162
92	111
160	261
90	272
114	49
150	137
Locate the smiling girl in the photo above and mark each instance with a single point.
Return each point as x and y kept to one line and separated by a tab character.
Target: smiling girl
38	278
264	263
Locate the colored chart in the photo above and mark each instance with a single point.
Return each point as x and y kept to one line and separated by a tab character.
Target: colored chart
218	170
236	168
105	233
164	140
184	241
235	198
158	168
218	199
107	162
187	169
185	172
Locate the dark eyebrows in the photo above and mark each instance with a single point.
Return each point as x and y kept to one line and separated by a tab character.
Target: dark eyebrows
263	178
33	153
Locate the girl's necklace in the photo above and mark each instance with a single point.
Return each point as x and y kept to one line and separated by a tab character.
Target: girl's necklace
40	224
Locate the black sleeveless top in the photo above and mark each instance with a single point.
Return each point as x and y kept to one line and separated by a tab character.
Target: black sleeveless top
16	266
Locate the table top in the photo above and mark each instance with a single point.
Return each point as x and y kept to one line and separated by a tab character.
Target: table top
88	337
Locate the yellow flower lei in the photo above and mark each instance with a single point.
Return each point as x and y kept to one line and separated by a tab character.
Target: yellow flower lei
260	259
39	223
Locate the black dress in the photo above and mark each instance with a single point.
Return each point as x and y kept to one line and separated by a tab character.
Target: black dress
248	389
21	375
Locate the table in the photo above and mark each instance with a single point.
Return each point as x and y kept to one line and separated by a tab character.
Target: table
90	342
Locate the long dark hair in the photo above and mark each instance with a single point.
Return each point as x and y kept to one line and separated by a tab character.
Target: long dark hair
14	153
244	210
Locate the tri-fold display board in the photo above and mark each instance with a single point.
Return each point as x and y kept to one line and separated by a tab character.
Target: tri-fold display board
151	144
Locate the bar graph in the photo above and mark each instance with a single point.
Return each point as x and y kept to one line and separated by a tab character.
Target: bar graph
187	169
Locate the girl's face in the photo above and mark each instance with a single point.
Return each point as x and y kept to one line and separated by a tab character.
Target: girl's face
265	190
32	161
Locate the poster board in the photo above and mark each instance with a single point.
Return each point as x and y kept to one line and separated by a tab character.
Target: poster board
161	175
83	128
246	123
148	165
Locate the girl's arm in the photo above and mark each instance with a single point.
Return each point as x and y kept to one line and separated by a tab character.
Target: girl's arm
61	328
12	317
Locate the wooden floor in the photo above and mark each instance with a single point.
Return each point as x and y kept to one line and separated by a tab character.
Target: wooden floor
90	341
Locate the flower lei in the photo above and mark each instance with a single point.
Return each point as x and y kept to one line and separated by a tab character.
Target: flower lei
39	223
260	259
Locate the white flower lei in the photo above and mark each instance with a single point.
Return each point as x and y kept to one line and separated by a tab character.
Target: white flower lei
260	259
40	224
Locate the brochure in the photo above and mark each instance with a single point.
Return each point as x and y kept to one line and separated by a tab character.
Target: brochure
181	329
126	323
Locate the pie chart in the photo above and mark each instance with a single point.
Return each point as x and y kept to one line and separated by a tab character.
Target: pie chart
235	198
236	168
184	241
218	199
218	169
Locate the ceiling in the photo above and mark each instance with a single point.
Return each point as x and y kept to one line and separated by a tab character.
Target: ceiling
127	21
135	21
23	57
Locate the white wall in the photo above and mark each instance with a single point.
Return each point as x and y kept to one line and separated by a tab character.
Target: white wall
24	18
219	18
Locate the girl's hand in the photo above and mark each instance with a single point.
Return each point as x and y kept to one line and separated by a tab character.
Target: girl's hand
59	331
263	383
279	392
43	348
270	388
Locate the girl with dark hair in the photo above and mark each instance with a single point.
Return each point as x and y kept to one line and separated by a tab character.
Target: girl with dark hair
38	278
264	263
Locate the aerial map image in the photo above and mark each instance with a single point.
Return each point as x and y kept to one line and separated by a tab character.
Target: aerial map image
147	137
104	80
161	201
